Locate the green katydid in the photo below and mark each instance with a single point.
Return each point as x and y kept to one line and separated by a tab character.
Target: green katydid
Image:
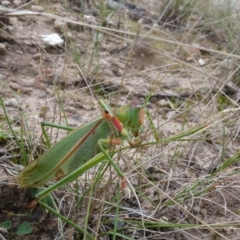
81	145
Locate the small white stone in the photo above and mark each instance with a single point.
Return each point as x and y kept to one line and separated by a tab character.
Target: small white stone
201	62
90	19
163	103
6	3
10	28
37	8
17	3
52	39
103	62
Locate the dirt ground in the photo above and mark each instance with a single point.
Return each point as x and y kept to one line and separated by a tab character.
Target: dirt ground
182	80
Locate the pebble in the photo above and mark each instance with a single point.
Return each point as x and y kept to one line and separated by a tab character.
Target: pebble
197	209
108	72
37	56
121	65
52	39
50	92
153	99
28	82
6	3
19	52
2	49
78	105
26	90
163	103
11	102
37	8
103	62
14	86
69	35
201	62
120	72
59	25
90	20
28	42
17	3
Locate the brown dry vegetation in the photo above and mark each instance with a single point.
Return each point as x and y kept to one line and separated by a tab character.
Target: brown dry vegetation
183	57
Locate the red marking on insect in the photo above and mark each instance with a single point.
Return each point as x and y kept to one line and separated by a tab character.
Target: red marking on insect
116	123
115	141
107	115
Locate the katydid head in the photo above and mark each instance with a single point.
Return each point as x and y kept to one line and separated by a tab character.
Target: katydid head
128	118
117	124
132	116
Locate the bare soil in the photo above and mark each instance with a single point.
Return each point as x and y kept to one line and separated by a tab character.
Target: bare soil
34	78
